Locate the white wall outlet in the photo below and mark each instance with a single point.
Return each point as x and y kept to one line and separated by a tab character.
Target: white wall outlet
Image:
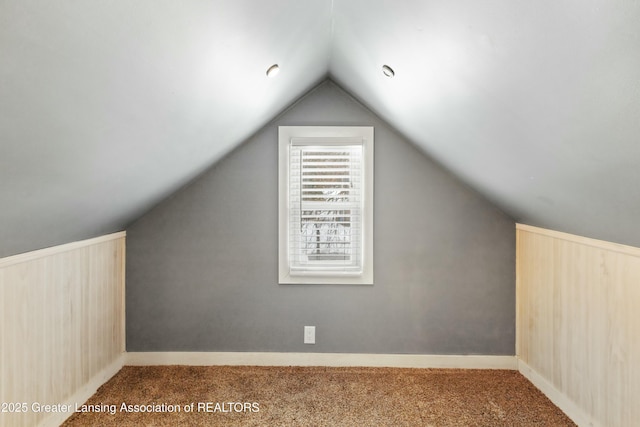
309	334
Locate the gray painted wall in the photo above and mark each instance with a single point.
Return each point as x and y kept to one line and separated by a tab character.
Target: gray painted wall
202	266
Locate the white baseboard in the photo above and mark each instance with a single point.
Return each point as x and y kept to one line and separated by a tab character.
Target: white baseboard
321	359
85	392
573	411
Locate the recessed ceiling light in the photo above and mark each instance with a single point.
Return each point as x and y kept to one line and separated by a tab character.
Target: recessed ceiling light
388	71
273	70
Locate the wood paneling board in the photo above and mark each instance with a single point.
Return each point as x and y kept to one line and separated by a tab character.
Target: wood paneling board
62	322
578	320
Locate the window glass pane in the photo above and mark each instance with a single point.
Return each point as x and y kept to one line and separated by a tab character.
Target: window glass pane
325	195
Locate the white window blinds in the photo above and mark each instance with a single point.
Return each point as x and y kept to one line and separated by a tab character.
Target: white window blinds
325	206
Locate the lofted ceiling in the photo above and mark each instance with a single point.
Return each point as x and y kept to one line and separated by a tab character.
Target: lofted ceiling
107	107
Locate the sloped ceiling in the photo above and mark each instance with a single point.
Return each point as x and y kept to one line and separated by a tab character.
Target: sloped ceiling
106	107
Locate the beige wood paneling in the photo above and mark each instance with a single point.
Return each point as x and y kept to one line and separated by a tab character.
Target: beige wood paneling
62	322
578	320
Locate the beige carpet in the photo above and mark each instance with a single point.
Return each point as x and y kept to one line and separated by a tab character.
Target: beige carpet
316	396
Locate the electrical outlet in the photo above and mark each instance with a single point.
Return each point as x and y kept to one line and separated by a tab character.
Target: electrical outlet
309	334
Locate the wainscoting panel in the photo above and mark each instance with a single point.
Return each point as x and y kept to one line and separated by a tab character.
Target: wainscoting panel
578	321
61	325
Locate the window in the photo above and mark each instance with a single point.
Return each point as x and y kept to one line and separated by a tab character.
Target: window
326	204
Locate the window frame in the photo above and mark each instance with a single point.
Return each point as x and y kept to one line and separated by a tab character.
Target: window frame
334	135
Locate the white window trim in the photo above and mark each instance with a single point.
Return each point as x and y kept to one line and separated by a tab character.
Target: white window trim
338	134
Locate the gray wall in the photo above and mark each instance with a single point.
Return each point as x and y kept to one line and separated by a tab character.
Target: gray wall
202	266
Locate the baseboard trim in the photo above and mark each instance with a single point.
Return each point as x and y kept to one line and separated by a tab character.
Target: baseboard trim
84	393
558	398
321	359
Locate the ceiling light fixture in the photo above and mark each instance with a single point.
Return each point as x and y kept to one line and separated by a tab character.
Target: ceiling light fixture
388	71
273	70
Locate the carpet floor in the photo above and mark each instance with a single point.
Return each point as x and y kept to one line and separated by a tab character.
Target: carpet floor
316	396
